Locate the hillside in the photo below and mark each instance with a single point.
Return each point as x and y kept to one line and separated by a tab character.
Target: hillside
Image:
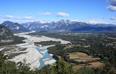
7	37
5	34
14	27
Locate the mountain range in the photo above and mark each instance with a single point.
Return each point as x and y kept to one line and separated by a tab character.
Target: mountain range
60	26
15	27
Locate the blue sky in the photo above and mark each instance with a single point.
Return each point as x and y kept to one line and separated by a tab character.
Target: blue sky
52	10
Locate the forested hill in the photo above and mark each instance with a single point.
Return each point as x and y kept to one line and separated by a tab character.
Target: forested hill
5	34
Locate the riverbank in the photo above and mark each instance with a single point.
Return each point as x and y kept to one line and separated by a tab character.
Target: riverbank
36	58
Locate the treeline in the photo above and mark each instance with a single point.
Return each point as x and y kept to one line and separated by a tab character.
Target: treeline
108	56
16	40
45	43
60	67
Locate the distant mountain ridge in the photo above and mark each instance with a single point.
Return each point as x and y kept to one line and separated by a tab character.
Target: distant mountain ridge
60	26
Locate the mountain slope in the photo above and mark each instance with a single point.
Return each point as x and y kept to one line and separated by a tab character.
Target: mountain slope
5	35
70	26
15	27
35	26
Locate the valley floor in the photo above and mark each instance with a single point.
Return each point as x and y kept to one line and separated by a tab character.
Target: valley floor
33	55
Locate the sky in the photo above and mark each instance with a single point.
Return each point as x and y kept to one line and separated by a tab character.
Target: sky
92	11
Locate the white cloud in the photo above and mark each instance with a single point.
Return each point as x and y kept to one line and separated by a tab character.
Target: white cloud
57	14
63	14
98	21
17	18
112	5
113	18
9	17
112	8
47	13
28	18
94	21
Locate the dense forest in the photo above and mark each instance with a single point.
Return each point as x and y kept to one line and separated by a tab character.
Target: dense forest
102	45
